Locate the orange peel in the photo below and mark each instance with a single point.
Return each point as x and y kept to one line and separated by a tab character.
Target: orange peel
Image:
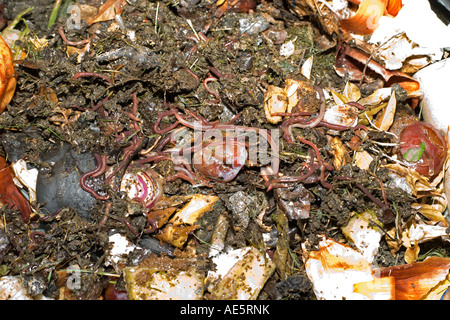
367	17
7	75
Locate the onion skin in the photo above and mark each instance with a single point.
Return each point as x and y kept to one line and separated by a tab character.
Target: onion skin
111	293
10	194
221	160
435	153
366	19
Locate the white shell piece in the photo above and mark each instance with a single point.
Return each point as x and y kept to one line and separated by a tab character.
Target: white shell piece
334	270
343	115
275	101
11	289
364	237
240	274
422	232
307	67
120	249
415	31
288	48
194	209
27	178
161	285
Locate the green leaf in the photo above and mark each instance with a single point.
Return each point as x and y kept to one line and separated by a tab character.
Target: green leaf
414	154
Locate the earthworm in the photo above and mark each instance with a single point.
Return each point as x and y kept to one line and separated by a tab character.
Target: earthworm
92	74
378	202
161	115
105	215
51	215
298	122
71	43
205	84
99	170
128	224
219	74
153	226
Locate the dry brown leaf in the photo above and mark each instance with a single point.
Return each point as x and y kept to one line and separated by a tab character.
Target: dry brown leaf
339	152
339	98
420	185
107	11
45	93
385	119
362	159
392	241
412	253
433	212
351	91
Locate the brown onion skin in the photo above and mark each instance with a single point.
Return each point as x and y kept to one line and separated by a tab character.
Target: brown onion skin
221	160
243	6
435	153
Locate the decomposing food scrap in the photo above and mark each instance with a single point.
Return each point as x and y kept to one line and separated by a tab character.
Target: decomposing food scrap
227	150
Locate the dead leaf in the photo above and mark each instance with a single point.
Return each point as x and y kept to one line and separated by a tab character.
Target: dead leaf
339	152
362	159
9	194
45	93
412	253
385	119
351	91
420	185
107	11
392	241
432	212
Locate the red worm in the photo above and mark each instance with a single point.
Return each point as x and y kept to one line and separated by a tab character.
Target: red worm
205	84
99	170
71	43
92	74
161	115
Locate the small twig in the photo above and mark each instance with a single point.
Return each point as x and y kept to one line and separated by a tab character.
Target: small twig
156	18
192	27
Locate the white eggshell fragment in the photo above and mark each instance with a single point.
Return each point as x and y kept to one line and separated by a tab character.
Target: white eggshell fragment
26	177
11	289
120	247
343	115
275	101
415	32
336	269
361	232
164	279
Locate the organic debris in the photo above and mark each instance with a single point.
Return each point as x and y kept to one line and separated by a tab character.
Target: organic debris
237	149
